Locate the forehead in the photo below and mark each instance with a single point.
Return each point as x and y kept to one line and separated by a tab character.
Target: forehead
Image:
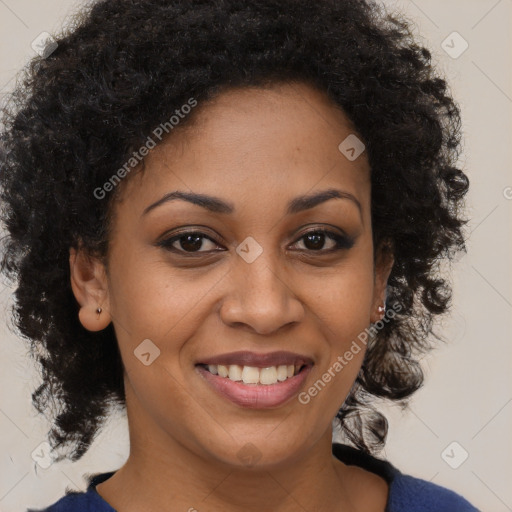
254	144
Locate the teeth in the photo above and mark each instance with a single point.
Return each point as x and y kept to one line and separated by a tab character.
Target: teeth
235	372
268	375
282	373
254	375
250	375
222	370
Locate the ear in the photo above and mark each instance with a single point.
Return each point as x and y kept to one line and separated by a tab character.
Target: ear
383	264
90	288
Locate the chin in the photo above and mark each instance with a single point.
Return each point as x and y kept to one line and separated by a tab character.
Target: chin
253	452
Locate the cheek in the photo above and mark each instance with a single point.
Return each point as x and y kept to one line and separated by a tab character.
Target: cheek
157	311
343	300
342	306
169	307
150	298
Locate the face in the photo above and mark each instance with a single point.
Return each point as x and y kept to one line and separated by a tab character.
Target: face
259	279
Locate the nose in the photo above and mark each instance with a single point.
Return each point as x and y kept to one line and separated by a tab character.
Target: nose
260	297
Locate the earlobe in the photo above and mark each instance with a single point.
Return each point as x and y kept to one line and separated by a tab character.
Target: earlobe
90	288
94	319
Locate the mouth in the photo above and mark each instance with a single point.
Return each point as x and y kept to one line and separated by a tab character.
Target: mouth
256	381
252	368
252	375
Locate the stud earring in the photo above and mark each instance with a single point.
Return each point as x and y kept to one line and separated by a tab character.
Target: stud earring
381	310
99	310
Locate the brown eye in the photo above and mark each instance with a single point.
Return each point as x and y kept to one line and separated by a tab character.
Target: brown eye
192	242
189	242
315	241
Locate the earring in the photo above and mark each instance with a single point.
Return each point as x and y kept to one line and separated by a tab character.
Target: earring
99	310
381	310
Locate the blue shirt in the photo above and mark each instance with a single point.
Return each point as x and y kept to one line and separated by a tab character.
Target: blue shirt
406	493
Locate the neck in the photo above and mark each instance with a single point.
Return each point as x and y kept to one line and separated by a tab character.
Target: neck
176	476
162	474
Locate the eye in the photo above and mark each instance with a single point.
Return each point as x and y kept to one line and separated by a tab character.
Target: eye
314	240
190	242
193	242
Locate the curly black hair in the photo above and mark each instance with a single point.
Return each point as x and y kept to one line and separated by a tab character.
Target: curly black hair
122	68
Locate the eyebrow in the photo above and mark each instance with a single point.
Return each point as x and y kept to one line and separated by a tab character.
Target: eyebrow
217	205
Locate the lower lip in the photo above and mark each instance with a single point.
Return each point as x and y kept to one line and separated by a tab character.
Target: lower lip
256	396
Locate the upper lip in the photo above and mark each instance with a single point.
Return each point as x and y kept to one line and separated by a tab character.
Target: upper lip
246	358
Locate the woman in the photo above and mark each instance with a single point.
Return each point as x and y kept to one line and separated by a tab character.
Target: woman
228	217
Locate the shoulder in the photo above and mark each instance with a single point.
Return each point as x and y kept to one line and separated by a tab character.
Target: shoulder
368	491
406	493
411	494
74	501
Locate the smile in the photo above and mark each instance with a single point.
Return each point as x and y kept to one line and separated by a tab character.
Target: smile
258	388
251	375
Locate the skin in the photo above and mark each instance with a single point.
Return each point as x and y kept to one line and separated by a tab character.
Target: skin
258	149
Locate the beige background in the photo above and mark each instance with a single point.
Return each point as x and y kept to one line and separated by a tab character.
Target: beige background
467	397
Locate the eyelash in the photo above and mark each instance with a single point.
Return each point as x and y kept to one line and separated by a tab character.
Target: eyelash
342	242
